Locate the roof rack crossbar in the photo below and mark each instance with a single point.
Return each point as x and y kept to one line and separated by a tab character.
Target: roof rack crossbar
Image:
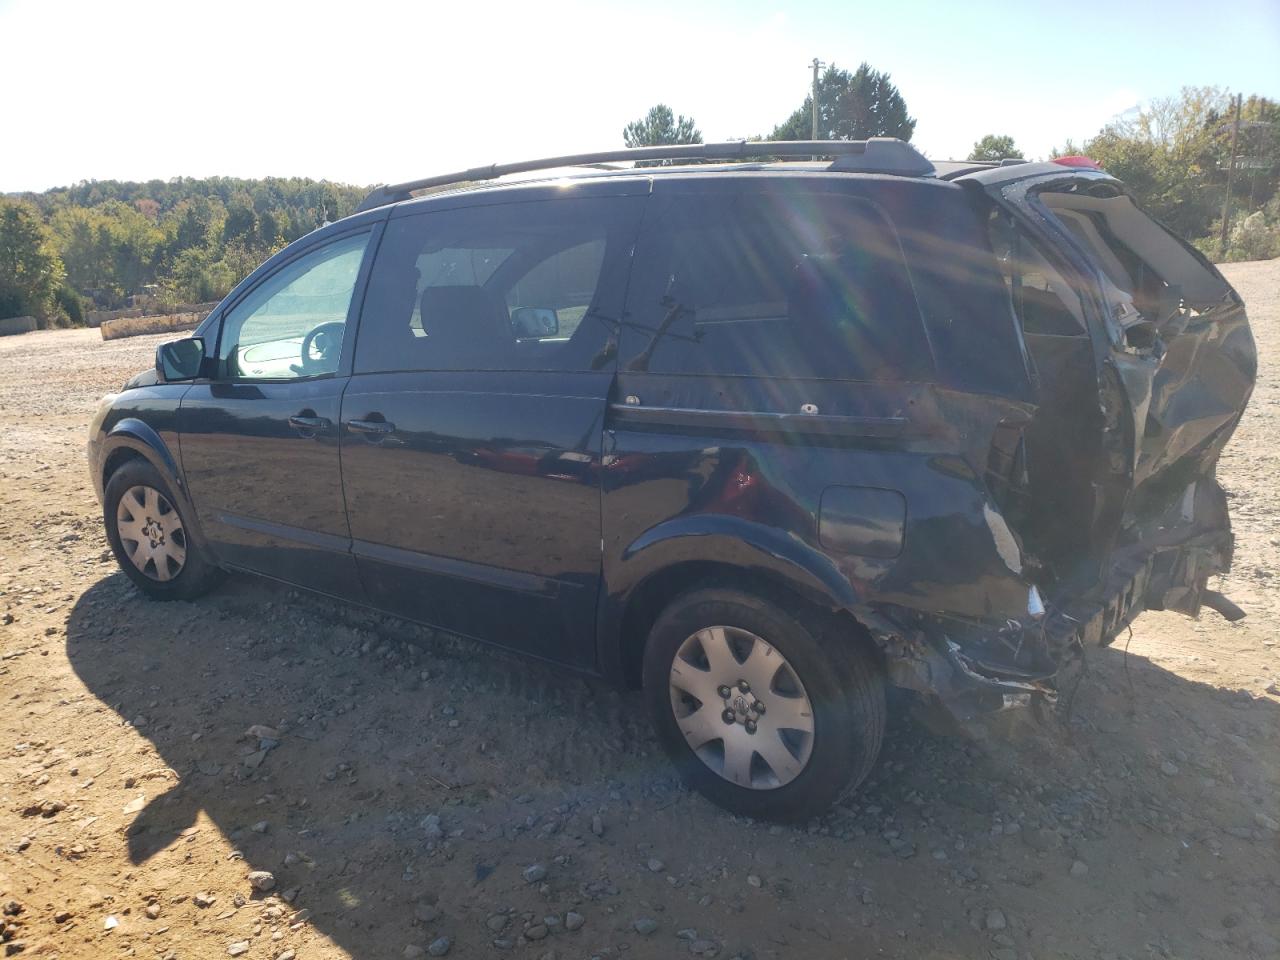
876	155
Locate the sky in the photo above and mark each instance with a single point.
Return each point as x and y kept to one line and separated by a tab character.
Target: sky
372	91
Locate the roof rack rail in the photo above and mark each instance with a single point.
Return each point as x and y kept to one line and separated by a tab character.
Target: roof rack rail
875	155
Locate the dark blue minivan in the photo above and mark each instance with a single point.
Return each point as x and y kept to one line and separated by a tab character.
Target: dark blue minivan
762	437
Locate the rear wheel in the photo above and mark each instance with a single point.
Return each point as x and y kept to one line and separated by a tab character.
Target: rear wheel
148	535
758	713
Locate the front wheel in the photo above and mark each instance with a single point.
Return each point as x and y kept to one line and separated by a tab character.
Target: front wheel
148	535
759	714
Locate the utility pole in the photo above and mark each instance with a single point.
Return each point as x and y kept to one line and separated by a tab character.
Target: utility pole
1231	170
817	65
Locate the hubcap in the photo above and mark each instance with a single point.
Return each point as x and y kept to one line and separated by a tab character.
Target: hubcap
151	533
742	708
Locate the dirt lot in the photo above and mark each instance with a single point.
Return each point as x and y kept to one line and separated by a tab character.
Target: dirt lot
424	788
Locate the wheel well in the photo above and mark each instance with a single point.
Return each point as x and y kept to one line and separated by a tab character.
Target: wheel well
652	596
117	459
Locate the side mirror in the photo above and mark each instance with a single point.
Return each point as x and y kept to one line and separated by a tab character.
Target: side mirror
180	360
534	323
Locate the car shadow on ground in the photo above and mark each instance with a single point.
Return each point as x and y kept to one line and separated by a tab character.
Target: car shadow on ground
381	726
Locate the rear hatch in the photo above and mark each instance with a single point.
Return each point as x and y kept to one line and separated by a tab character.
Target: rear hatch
1144	362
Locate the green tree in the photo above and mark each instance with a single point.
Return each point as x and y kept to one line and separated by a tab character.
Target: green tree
1172	154
136	245
198	276
195	222
242	220
994	147
851	106
30	271
659	127
83	239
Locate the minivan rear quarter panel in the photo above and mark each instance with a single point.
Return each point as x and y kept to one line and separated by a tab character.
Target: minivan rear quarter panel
731	468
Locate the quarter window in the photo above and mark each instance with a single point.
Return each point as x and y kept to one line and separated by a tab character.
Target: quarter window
1043	298
293	323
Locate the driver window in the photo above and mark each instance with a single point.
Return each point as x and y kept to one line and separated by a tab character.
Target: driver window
292	324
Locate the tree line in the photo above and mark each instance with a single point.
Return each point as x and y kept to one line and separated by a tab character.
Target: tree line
105	243
1173	153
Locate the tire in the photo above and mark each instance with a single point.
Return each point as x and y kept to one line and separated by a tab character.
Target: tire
148	535
834	679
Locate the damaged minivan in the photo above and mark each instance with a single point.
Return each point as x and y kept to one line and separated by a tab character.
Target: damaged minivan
763	435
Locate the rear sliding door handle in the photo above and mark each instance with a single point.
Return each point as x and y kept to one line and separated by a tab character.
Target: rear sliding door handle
377	428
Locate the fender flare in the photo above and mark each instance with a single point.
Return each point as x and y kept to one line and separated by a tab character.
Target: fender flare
138	436
755	549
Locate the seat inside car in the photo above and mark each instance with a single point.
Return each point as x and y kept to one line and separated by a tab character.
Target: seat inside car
467	325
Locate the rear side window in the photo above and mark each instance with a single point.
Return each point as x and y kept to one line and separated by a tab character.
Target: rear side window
797	285
1043	298
513	286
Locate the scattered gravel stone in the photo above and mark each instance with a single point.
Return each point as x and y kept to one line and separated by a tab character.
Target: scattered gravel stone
426	913
645	926
260	827
1169	768
262	880
152	911
597	825
655	865
1266	822
440	946
754	881
238	948
537	932
574	920
414	952
534	872
996	920
497	922
1264	944
203	899
1079	868
431	826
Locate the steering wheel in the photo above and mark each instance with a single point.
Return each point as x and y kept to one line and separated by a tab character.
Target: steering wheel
326	341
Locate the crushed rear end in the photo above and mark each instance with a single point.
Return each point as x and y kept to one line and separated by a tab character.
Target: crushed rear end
1106	493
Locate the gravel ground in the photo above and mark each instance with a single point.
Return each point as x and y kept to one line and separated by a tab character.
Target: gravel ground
270	775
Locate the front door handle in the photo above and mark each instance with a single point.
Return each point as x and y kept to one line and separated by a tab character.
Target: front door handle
378	428
310	425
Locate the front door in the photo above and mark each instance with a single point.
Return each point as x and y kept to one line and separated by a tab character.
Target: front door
472	427
259	439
